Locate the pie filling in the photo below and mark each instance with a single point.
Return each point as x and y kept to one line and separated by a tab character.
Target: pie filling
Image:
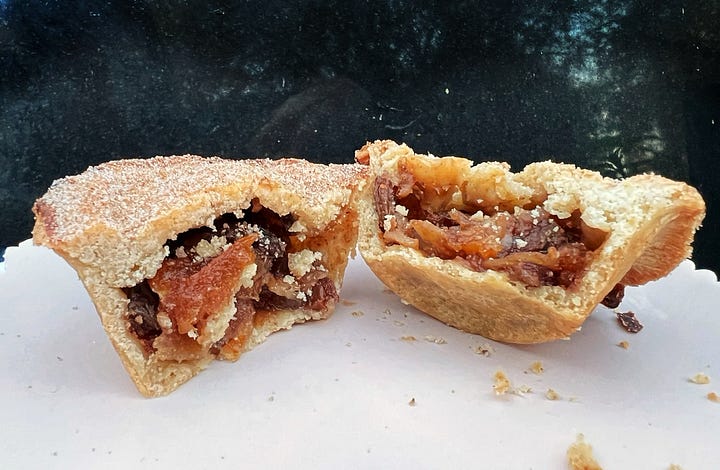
219	282
528	243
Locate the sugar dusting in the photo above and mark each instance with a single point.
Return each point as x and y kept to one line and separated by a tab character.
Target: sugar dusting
126	194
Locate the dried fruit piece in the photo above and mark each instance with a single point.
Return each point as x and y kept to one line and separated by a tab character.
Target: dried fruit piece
629	321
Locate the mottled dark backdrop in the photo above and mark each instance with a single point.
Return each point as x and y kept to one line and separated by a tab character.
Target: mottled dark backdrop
619	86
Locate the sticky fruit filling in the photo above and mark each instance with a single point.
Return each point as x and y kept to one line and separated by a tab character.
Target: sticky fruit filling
529	244
217	283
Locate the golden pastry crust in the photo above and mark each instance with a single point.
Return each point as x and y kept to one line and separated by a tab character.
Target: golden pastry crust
112	222
647	223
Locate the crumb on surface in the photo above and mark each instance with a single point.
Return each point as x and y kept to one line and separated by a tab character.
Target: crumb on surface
700	379
484	350
629	321
501	383
435	339
348	303
537	368
580	455
408	338
714	397
523	389
624	344
412	402
357	313
674	466
552	394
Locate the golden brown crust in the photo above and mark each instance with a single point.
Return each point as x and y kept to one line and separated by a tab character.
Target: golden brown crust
649	221
127	209
111	224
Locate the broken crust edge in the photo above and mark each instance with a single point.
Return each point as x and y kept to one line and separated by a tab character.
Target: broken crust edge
154	378
138	256
129	246
639	247
488	306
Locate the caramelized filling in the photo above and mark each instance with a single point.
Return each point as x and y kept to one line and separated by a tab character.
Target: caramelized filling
219	282
529	244
190	291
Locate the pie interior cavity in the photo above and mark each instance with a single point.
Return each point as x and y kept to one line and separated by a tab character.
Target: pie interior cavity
518	257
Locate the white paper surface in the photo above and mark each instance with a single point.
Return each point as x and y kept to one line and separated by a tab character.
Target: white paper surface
336	393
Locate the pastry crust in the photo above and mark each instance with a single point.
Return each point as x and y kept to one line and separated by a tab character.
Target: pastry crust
111	224
647	223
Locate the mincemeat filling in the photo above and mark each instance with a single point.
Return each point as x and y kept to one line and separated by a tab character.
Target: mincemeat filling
206	262
529	244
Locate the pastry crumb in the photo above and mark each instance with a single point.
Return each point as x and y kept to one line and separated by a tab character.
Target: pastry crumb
484	350
624	344
523	389
537	368
348	303
412	402
580	455
674	466
357	313
700	379
714	397
408	338
398	323
552	394
435	339
501	384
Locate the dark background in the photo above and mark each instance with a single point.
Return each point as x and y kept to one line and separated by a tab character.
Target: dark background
618	86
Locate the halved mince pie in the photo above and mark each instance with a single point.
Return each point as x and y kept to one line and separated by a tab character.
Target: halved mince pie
517	257
190	259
